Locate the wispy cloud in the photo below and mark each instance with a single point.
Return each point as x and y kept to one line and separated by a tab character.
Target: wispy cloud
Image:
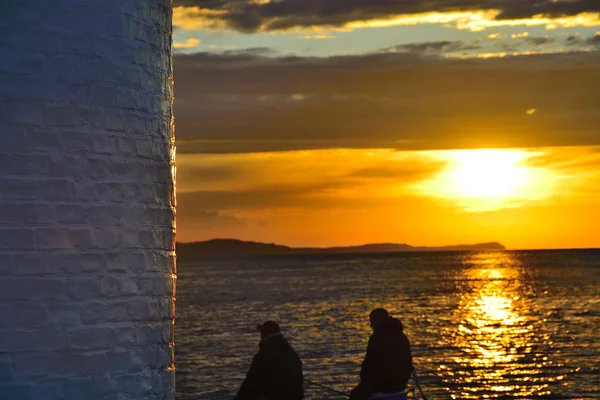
594	40
188	44
434	48
540	40
317	36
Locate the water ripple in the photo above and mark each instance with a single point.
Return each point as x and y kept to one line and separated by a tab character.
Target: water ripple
514	325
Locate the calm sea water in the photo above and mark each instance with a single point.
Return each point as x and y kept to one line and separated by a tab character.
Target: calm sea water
512	325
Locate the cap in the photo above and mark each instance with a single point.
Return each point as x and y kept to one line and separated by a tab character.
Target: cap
268	328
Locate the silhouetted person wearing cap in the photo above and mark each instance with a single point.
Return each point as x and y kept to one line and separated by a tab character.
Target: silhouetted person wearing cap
276	370
387	366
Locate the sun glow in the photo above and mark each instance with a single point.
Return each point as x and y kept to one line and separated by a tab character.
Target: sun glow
489	173
489	179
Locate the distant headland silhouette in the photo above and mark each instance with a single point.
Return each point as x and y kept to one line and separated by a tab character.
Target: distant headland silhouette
240	248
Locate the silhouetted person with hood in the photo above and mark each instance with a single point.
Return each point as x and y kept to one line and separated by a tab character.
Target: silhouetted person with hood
276	370
387	366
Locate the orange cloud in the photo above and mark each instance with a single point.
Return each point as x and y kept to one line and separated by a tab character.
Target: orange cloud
521	197
255	18
188	44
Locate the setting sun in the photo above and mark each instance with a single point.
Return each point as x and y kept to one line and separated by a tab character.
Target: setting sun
488	179
489	173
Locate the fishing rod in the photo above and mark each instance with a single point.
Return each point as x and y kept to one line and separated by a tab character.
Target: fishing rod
413	373
326	387
416	381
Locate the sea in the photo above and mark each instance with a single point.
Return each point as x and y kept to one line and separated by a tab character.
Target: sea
495	325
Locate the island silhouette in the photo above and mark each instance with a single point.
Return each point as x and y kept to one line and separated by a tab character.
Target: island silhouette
241	248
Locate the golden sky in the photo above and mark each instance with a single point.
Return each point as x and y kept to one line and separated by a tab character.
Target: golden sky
322	123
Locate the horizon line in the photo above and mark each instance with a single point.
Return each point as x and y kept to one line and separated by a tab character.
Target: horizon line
398	243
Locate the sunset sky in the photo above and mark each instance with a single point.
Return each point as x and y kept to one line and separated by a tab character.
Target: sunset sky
343	122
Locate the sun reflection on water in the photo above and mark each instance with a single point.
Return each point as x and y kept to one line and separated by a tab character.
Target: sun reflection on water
494	333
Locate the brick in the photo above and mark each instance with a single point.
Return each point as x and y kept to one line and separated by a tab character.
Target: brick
109	70
64	315
93	263
29	314
17	390
114	121
62	166
51	238
137	262
33	364
6	314
150	334
36	214
16	189
109	286
77	388
128	286
138	309
86	190
96	312
129	238
44	263
160	309
31	340
58	189
126	98
126	146
167	332
86	338
5	369
7	264
13	139
118	360
103	387
75	142
97	167
15	238
165	354
105	237
104	96
104	144
22	165
147	239
126	336
81	238
88	68
69	213
139	384
65	117
149	262
97	214
32	288
136	125
41	139
22	113
80	362
49	390
117	262
82	288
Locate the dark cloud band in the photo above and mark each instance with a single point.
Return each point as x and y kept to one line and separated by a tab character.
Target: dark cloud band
251	102
245	16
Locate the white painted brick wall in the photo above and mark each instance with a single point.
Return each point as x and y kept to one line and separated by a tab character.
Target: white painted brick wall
87	200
